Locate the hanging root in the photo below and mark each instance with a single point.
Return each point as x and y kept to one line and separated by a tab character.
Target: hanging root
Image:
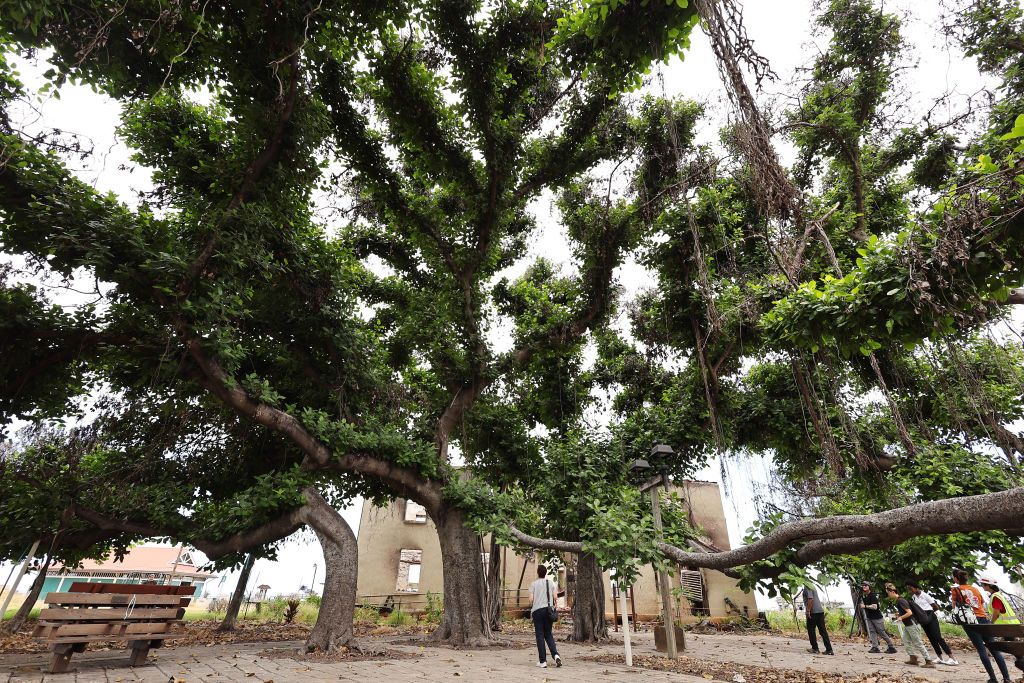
822	428
775	194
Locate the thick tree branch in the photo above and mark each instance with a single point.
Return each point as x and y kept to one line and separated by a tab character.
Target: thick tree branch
849	534
279	528
318	456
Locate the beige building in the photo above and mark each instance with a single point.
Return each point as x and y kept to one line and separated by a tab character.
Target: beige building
400	562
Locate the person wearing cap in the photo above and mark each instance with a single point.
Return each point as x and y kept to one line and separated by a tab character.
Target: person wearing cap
930	623
913	634
875	624
971	603
1000	606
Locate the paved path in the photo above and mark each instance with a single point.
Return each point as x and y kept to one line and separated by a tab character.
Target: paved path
242	663
850	659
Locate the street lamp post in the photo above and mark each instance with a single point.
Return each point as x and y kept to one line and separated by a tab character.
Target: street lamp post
659	454
312	584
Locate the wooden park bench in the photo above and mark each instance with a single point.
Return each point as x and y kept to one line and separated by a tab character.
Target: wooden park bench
143	615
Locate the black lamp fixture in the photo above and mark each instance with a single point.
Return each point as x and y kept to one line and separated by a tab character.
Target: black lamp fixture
661	455
639	466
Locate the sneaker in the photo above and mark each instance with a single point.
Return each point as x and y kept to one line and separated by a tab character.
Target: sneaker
929	664
542	665
829	652
952	662
891	651
874	651
813	651
558	661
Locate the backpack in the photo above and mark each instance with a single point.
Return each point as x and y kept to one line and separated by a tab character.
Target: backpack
920	616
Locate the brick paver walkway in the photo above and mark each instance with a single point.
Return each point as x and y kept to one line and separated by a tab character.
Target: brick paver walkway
243	663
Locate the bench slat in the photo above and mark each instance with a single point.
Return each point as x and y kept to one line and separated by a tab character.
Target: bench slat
109	599
139	588
118	613
98	639
59	630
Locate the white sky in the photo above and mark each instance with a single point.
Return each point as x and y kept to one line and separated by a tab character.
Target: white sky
781	31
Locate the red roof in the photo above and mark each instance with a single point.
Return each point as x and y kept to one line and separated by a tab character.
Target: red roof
144	558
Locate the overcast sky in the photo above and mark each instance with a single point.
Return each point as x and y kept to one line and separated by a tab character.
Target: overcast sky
781	31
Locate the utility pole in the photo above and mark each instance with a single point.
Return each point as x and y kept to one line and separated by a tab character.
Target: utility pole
17	579
174	569
660	455
667	613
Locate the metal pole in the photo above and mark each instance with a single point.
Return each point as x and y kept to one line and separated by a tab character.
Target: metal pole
668	618
625	627
615	606
17	579
312	585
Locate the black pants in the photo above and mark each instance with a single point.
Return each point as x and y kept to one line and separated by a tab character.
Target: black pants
979	641
542	629
934	633
817	620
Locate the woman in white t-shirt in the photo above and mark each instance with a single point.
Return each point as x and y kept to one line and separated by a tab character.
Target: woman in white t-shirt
930	624
544	595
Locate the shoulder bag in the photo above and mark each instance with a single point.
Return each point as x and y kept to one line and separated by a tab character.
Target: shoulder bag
552	612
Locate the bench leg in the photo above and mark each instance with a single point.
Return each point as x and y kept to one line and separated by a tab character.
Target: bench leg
140	650
61	658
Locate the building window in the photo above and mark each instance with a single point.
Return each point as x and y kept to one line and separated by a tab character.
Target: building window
409	564
415	513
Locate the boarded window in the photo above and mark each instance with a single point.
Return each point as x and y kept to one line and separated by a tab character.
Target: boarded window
409	565
693	589
415	513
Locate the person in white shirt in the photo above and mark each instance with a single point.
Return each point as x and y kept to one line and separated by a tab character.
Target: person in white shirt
544	595
930	623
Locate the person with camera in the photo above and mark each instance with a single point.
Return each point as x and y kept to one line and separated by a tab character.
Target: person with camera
873	620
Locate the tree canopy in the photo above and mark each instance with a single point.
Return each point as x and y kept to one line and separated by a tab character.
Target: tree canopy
833	314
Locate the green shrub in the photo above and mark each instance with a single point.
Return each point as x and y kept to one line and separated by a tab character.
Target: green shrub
435	608
313	599
273	609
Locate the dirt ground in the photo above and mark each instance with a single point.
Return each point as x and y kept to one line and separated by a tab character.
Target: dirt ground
729	657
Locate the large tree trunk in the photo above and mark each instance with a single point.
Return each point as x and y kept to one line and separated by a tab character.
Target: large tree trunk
228	624
495	586
465	621
334	624
21	616
588	622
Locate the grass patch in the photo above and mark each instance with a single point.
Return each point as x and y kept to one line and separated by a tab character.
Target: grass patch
839	622
400	618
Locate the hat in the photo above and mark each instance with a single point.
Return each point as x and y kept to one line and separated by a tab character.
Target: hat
866	583
989	581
